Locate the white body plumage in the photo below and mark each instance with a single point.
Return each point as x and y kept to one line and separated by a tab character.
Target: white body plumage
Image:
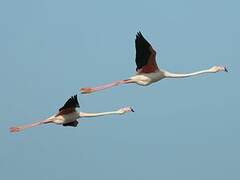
65	118
145	79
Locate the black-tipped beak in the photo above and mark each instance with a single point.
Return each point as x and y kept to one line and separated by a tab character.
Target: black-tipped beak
225	69
132	110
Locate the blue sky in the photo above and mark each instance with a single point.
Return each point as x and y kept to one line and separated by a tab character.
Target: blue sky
182	129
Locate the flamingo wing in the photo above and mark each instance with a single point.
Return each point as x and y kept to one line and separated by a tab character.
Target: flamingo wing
69	106
73	124
145	55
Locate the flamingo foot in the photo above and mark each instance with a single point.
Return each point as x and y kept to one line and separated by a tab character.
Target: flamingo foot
87	90
15	129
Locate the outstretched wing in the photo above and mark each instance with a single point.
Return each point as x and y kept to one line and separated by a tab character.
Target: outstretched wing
69	106
71	103
145	55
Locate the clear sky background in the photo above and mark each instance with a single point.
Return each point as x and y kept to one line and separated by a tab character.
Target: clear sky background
182	129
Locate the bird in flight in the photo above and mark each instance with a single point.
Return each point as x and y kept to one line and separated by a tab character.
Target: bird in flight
68	115
147	69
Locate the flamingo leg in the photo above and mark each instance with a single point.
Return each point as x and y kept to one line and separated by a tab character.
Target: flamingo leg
89	90
21	128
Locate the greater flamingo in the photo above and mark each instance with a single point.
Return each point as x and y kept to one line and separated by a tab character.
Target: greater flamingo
147	69
68	115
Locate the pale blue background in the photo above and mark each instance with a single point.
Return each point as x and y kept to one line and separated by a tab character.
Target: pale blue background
182	129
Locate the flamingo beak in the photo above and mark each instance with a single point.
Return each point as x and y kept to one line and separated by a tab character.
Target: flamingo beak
132	110
225	69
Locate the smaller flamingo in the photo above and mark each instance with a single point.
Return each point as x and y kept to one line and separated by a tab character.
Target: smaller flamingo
68	115
147	69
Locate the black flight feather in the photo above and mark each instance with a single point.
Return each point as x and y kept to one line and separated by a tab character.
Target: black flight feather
71	103
73	124
142	50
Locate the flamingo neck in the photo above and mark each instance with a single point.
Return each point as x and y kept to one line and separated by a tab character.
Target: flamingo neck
82	114
184	75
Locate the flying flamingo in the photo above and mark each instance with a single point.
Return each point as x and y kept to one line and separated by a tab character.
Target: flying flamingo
67	115
147	69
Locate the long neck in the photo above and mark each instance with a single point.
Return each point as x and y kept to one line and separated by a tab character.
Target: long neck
82	114
181	75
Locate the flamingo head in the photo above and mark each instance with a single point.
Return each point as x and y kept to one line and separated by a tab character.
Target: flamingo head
215	69
125	110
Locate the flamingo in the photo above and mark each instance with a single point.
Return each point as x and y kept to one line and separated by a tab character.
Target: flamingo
147	69
68	115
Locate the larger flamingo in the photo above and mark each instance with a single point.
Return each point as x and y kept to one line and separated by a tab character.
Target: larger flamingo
68	115
147	69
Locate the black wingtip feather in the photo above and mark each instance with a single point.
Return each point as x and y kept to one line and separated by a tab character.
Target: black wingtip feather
73	124
71	103
142	50
76	101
